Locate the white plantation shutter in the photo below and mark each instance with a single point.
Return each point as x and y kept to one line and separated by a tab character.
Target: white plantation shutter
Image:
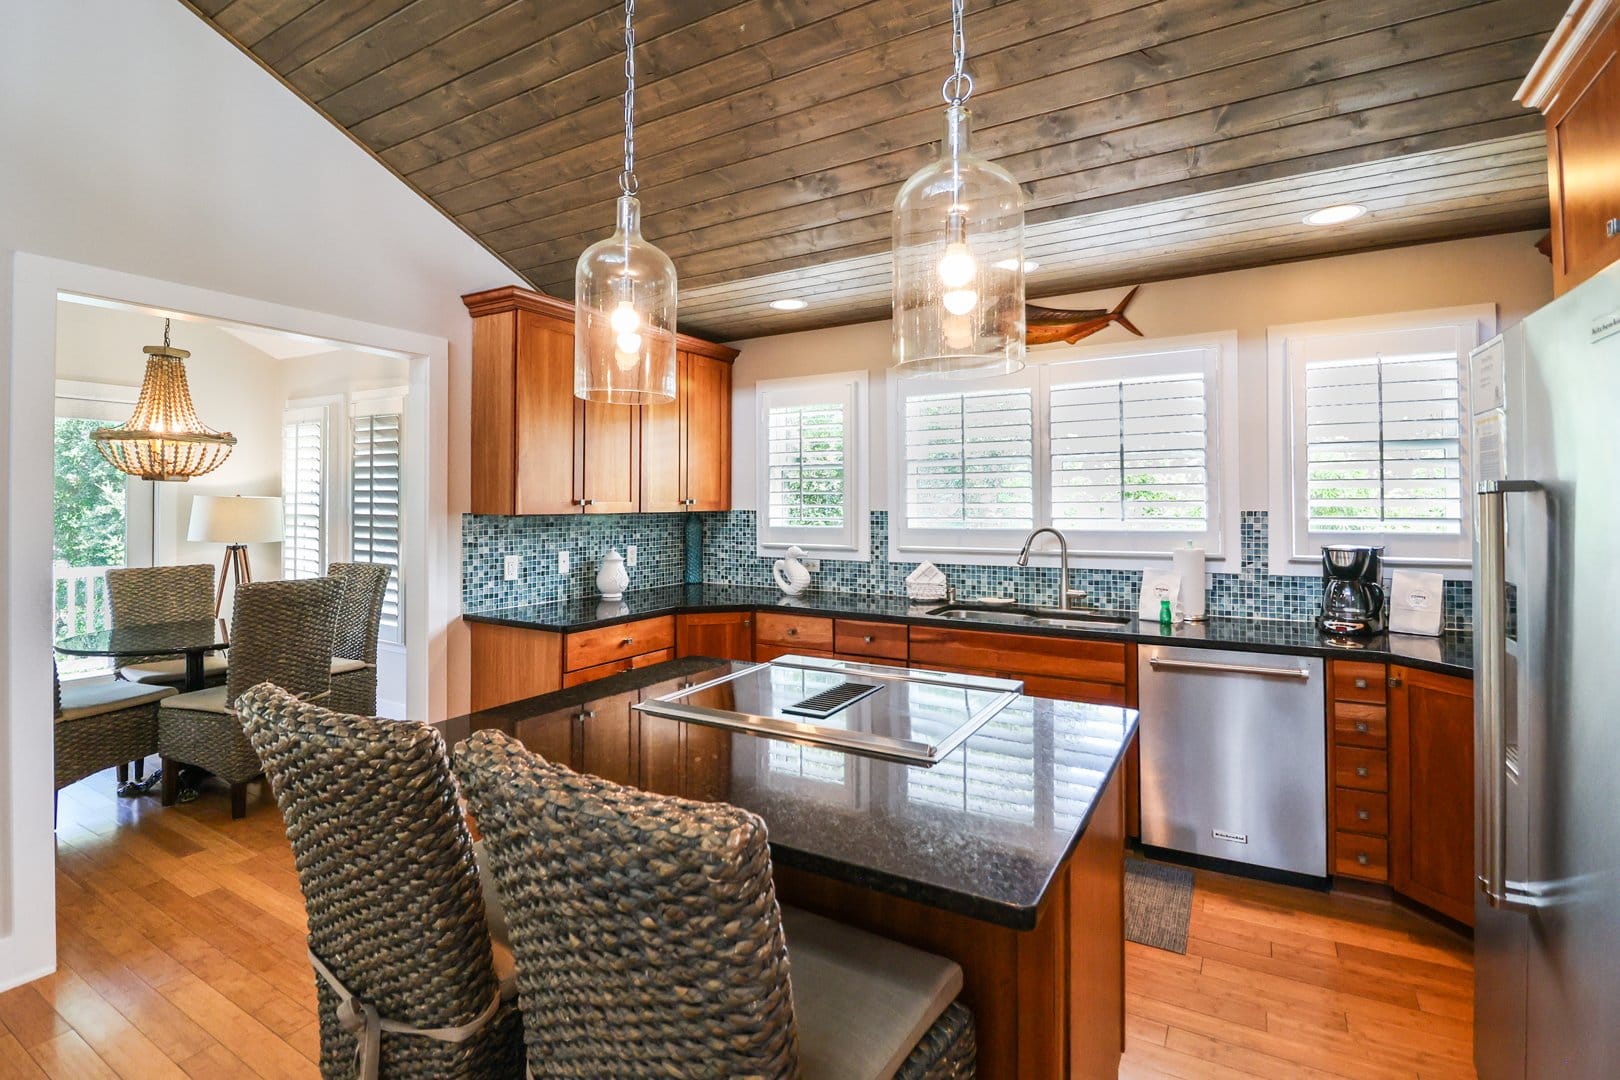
303	493
970	459
374	500
1131	454
809	467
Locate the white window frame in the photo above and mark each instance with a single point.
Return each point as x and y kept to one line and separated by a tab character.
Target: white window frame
1087	548
385	402
1292	548
854	541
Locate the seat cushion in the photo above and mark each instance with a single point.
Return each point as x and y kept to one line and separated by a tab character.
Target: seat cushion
862	1001
342	665
80	700
170	671
209	700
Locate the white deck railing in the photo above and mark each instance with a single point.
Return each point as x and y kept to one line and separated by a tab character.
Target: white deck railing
80	598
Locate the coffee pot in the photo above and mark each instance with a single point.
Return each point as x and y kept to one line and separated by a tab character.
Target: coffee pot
1352	591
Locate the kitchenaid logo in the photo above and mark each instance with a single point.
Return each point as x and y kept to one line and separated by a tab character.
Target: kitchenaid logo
1606	325
1231	837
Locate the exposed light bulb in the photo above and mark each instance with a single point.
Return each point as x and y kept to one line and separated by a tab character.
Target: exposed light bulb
960	301
958	331
625	319
629	342
957	268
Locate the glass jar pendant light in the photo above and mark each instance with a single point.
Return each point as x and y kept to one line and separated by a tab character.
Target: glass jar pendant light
624	291
959	253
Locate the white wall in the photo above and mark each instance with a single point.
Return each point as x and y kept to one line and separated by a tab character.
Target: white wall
1503	270
138	140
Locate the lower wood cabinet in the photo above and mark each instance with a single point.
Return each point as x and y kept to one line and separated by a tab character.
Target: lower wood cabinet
1431	807
510	663
724	635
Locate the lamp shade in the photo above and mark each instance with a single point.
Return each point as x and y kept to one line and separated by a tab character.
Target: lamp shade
235	519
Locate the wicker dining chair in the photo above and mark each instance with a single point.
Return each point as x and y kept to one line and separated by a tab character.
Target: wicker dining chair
102	724
648	942
359	623
142	595
397	932
281	633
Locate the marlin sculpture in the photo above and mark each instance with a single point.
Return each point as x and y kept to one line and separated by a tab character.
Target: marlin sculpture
1044	325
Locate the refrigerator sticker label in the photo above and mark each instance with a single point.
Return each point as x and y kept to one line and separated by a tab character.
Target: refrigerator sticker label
1490	449
1605	326
1486	376
1236	838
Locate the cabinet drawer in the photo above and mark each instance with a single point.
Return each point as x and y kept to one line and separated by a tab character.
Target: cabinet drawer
589	648
805	631
871	639
1018	655
1362	769
1355	680
579	676
1356	724
1365	857
766	653
1361	812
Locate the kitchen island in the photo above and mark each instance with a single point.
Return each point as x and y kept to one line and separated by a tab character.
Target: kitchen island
1006	854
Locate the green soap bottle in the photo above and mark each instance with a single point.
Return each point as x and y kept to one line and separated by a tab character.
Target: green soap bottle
1167	617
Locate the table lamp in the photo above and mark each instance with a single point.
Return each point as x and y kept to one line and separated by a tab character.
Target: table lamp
235	521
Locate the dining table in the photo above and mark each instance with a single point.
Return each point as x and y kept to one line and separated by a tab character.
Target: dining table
192	638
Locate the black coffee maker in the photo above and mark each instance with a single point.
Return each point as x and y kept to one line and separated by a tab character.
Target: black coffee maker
1352	593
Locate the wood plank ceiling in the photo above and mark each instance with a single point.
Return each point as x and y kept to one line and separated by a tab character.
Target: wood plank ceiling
1154	138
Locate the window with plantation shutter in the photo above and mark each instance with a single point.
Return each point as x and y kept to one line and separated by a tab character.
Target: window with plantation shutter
303	493
970	459
811	472
1377	447
374	504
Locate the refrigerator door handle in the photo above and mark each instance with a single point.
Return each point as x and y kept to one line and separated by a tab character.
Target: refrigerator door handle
1491	626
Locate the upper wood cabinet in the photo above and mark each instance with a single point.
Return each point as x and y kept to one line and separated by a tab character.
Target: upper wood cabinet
536	449
1576	84
686	444
1431	785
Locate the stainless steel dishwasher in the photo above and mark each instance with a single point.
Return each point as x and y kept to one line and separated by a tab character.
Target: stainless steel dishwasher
1234	756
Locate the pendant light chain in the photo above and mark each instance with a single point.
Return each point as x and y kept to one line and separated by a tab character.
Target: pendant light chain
627	179
959	84
165	333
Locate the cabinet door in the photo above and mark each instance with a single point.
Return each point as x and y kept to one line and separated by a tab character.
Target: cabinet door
608	742
663	447
607	464
724	635
1584	138
1431	741
706	423
543	388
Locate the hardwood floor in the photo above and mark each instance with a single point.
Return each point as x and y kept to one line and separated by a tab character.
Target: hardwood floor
180	939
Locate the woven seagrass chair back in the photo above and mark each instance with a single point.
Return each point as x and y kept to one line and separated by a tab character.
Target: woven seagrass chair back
141	595
281	632
389	879
645	928
359	620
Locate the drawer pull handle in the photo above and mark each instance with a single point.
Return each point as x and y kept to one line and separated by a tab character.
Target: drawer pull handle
1611	228
1361	727
628	641
1361	684
869	639
1395	680
793	631
1361	770
1361	857
1362	815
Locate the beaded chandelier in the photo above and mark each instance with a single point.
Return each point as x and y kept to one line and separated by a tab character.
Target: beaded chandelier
164	440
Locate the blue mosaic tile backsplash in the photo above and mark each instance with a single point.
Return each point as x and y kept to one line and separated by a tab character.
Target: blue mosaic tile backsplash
729	557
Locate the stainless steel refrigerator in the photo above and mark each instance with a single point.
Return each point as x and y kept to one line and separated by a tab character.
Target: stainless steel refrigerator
1546	453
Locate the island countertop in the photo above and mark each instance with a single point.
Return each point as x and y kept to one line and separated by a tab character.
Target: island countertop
1452	653
983	832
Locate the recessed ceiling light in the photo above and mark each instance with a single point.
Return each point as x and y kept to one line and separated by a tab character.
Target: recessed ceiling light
789	305
1030	265
1335	215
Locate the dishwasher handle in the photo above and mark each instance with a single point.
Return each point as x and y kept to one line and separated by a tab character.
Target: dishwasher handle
1302	674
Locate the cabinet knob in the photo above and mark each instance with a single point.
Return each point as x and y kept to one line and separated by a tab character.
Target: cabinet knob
1361	727
628	641
1361	857
1394	680
1361	770
1362	815
748	622
1361	684
1611	228
584	715
793	631
869	639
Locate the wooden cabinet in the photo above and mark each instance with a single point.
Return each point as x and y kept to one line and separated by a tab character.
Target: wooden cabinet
870	640
1358	764
1576	84
724	635
793	632
1431	733
1100	672
536	449
510	663
686	444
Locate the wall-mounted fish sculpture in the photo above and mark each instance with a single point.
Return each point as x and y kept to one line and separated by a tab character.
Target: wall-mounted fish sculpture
1045	325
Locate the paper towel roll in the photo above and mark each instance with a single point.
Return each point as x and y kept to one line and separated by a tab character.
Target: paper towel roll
1188	564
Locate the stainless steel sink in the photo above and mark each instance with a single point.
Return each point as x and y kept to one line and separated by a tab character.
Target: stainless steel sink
1029	616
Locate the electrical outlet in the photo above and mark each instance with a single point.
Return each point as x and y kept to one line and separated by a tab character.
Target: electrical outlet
562	562
514	566
813	565
630	556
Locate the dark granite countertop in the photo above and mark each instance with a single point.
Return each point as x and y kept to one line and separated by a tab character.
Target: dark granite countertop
1450	654
982	832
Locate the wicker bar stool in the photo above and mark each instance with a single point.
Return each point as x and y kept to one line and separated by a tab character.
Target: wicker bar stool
649	942
142	595
359	622
281	633
101	724
403	959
